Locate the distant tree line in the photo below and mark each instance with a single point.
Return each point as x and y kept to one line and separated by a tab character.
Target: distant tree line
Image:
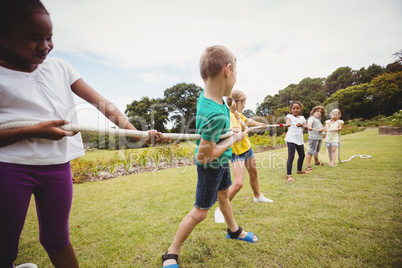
363	93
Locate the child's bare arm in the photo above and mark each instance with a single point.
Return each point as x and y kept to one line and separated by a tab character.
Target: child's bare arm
310	126
288	121
253	123
209	150
45	130
86	92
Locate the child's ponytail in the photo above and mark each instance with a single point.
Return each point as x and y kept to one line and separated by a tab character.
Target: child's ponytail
231	100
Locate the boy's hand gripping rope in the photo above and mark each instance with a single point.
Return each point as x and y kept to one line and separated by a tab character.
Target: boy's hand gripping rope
122	132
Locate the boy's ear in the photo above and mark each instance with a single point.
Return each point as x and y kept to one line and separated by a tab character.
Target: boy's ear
226	70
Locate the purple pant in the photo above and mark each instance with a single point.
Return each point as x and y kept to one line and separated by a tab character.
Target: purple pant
52	187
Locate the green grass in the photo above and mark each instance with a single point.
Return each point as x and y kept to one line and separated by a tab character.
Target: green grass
347	216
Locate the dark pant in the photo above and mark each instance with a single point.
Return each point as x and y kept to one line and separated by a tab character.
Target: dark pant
52	187
292	147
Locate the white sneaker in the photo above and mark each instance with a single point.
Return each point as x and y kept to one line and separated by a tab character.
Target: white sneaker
263	199
219	218
27	265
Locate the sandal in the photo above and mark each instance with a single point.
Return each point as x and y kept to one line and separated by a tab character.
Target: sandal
303	172
235	235
320	164
309	168
170	257
289	178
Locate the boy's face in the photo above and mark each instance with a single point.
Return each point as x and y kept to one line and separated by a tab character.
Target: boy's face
29	42
317	114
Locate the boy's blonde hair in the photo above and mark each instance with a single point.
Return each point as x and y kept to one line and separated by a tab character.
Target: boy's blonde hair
319	108
232	101
336	111
214	59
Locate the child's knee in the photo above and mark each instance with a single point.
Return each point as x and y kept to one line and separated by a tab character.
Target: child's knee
238	185
51	245
199	214
253	175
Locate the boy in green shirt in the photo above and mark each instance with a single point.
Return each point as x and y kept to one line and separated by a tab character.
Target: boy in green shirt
218	70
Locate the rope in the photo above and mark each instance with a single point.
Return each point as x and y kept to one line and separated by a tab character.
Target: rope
122	132
363	156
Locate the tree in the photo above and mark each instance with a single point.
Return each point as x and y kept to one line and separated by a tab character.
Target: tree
181	100
396	66
354	102
148	114
342	77
272	103
387	93
398	56
366	75
263	108
310	92
248	113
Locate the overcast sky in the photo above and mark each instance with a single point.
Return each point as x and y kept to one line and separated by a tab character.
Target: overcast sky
128	49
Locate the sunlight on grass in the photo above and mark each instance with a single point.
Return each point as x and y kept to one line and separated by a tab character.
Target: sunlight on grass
347	216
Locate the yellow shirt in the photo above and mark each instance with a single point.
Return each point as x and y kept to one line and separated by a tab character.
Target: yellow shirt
243	145
333	136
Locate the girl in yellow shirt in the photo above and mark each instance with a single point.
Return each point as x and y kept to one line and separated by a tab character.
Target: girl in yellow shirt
333	127
242	154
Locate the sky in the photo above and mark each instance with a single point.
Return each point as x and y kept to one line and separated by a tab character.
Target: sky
129	49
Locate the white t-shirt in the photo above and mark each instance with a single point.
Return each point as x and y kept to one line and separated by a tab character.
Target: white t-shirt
295	134
44	94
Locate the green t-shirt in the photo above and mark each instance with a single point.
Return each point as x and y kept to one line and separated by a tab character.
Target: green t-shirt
212	120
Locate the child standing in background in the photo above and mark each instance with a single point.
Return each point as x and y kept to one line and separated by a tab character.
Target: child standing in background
36	159
242	154
315	133
294	139
333	128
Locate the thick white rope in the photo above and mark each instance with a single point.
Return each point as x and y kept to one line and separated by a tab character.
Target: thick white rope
121	132
363	156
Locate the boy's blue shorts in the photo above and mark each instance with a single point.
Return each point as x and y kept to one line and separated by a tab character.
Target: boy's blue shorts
210	181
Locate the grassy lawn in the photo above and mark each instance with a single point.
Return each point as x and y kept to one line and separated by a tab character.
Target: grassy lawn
346	216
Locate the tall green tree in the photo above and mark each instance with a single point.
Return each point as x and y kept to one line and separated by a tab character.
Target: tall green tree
366	75
147	114
310	92
387	93
181	102
342	77
265	108
354	102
